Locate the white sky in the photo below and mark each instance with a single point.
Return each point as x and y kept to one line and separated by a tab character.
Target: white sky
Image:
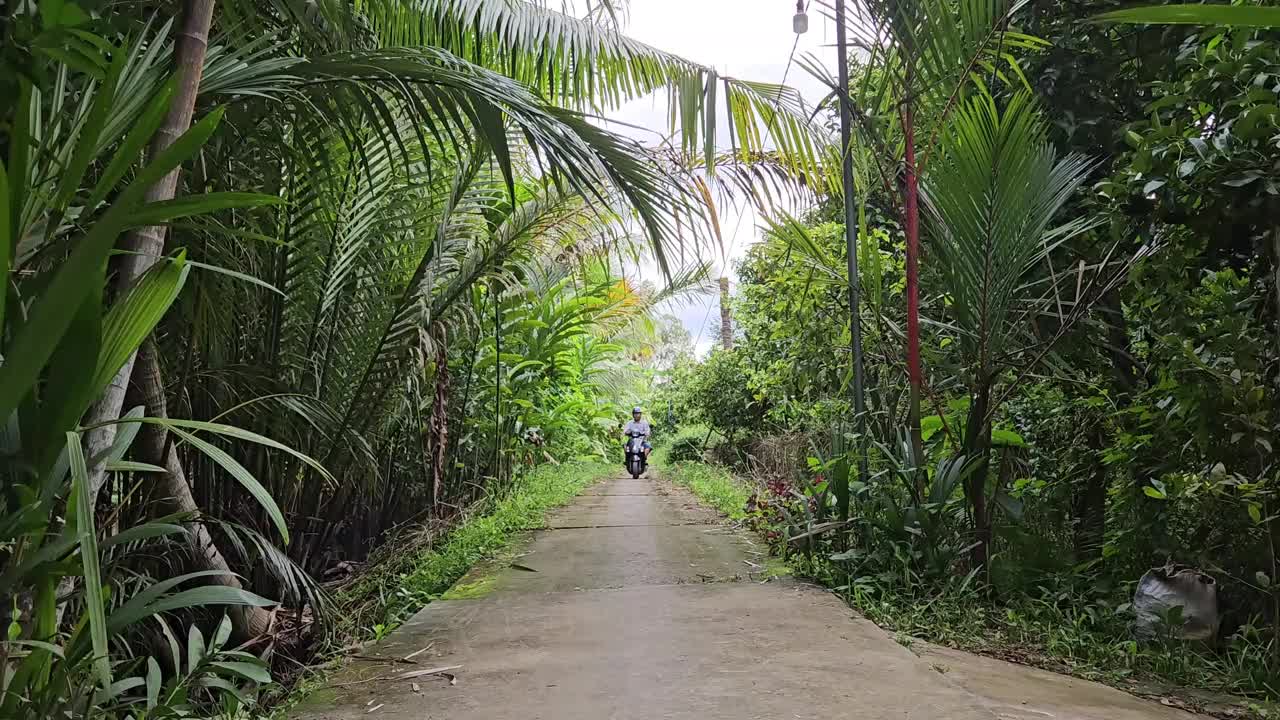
747	39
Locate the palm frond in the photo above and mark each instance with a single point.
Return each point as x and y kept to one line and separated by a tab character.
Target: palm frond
582	64
992	200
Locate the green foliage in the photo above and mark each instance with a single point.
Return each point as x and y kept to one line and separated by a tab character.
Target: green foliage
1099	345
689	445
78	610
1063	631
720	397
385	286
1205	150
388	288
1236	16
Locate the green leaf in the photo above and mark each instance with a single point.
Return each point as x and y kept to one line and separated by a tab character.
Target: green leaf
117	690
207	596
246	670
237	275
60	14
1237	15
70	391
195	648
211	681
154	682
223	633
156	602
232	431
15	633
1255	513
1153	493
242	475
159	213
186	146
129	321
132	466
86	146
50	12
6	243
1006	438
146	531
1153	186
930	425
52	312
175	654
1242	179
125	434
126	155
1263	580
81	510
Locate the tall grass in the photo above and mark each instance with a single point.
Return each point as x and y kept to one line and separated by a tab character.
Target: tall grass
712	484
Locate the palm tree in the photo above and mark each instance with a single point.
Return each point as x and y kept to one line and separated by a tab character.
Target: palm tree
992	198
922	57
379	110
404	157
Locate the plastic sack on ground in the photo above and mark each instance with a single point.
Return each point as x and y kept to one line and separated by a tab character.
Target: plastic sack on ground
1160	594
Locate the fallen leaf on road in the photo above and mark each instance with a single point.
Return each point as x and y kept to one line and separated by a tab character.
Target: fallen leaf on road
525	568
417	688
431	671
416	653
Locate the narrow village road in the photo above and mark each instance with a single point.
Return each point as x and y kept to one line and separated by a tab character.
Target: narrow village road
637	603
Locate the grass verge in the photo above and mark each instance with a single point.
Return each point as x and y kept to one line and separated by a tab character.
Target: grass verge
402	586
1066	634
1063	632
713	485
403	581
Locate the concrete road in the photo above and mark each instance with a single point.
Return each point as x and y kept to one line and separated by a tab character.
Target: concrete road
636	603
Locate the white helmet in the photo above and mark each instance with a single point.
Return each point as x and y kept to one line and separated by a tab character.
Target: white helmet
636	409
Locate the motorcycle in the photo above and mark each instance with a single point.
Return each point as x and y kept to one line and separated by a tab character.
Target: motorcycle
636	461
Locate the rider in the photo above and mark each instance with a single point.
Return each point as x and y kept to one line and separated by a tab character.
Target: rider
639	425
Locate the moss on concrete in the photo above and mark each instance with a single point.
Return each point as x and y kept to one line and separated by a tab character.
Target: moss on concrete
471	590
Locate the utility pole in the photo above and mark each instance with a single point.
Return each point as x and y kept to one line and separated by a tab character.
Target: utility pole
726	321
851	246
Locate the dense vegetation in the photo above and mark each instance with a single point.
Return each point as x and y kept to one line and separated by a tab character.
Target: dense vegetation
286	281
290	286
1099	307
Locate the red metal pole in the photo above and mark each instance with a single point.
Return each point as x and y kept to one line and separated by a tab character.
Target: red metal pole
911	212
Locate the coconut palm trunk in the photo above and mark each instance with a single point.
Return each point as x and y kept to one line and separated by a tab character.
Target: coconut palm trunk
440	418
726	319
142	248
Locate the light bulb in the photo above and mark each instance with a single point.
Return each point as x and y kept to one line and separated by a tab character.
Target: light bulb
800	22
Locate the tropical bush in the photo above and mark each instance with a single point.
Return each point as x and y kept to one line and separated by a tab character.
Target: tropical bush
1077	381
688	446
